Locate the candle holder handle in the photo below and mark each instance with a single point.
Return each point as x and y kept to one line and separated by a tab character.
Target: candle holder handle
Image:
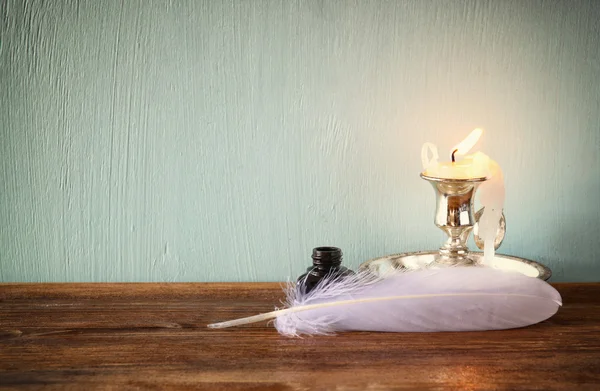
500	232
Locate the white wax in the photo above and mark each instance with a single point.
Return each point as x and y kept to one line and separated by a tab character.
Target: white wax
471	166
491	195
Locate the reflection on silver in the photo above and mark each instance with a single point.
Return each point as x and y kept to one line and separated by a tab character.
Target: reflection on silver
395	263
454	215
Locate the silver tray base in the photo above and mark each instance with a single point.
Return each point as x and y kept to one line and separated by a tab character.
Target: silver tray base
383	266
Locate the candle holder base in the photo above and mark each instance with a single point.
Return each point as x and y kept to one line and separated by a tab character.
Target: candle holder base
398	263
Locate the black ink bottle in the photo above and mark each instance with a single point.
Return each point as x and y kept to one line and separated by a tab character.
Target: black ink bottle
327	261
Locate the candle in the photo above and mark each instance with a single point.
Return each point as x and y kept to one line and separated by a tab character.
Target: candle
472	166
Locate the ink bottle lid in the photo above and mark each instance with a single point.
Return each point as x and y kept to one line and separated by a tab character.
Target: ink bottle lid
327	261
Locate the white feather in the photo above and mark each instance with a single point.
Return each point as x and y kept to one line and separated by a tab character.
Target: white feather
449	299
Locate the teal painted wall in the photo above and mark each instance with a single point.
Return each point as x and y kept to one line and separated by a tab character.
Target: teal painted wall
223	140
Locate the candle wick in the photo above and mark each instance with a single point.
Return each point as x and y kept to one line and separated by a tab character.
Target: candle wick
453	158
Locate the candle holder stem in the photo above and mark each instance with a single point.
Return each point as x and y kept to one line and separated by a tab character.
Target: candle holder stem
455	250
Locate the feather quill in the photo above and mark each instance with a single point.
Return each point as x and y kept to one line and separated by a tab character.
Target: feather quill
431	300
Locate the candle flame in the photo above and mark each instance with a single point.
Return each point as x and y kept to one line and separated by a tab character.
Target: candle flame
465	146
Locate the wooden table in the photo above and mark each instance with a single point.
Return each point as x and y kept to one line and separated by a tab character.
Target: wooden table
153	336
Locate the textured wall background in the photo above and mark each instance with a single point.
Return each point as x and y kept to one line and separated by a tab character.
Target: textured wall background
223	140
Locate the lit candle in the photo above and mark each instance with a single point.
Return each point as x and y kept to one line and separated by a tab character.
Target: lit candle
472	166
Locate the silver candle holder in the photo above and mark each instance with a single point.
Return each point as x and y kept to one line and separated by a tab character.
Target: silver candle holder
454	206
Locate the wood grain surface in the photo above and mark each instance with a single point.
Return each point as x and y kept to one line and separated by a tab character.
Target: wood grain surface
154	336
